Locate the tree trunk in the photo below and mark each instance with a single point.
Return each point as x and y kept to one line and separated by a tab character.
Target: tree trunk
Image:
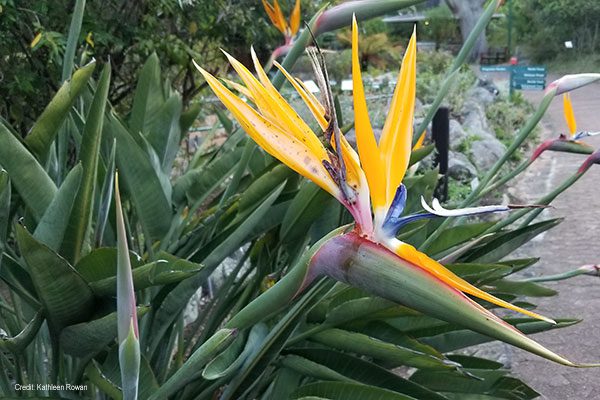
468	13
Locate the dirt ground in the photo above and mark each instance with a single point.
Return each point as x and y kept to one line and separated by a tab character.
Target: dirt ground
573	243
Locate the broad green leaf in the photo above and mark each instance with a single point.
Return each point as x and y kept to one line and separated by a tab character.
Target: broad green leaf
148	96
520	288
176	300
141	182
419	154
193	366
347	391
262	356
65	296
165	270
197	184
17	278
18	343
164	131
506	243
27	176
106	194
481	381
304	208
188	117
456	338
101	263
46	127
476	273
73	39
363	344
456	235
356	369
79	228
4	208
89	338
111	373
53	224
232	359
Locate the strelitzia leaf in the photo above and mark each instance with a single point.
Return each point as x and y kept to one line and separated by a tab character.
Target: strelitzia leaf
46	127
355	369
28	177
89	338
64	294
5	194
505	243
18	343
78	231
143	185
148	96
127	324
363	344
346	391
366	265
193	366
457	338
53	224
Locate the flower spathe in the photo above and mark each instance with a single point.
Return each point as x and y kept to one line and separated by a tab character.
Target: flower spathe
365	183
278	20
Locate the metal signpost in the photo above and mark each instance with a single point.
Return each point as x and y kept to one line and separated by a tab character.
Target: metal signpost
522	77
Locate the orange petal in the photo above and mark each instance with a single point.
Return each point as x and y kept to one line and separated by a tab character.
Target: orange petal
420	259
368	151
569	114
396	138
420	141
286	148
295	18
315	107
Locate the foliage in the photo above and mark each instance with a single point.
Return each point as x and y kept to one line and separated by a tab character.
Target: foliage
60	241
430	80
126	33
440	26
544	26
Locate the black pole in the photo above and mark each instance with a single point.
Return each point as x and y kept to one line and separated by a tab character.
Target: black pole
440	133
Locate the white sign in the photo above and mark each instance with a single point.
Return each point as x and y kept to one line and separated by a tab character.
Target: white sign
569	44
347	85
311	86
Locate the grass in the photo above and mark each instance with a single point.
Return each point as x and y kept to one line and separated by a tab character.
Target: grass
574	64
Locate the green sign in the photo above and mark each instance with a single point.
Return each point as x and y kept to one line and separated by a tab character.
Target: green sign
523	69
526	81
494	68
528	77
525	86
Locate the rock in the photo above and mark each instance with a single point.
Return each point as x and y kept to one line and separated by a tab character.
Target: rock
480	95
460	168
419	107
457	134
484	153
351	136
474	120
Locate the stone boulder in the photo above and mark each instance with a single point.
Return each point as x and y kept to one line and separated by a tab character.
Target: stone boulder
474	120
460	168
480	95
457	134
486	152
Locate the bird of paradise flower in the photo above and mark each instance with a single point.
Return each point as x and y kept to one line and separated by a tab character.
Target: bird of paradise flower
369	185
278	20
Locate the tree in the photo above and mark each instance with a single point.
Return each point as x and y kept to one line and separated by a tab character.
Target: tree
468	13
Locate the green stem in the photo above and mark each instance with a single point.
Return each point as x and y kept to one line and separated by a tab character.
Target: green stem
519	139
543	200
500	182
563	276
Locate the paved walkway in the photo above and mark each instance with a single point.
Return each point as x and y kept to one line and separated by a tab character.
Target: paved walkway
573	243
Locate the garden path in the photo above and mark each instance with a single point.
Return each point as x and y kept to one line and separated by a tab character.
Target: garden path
573	243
